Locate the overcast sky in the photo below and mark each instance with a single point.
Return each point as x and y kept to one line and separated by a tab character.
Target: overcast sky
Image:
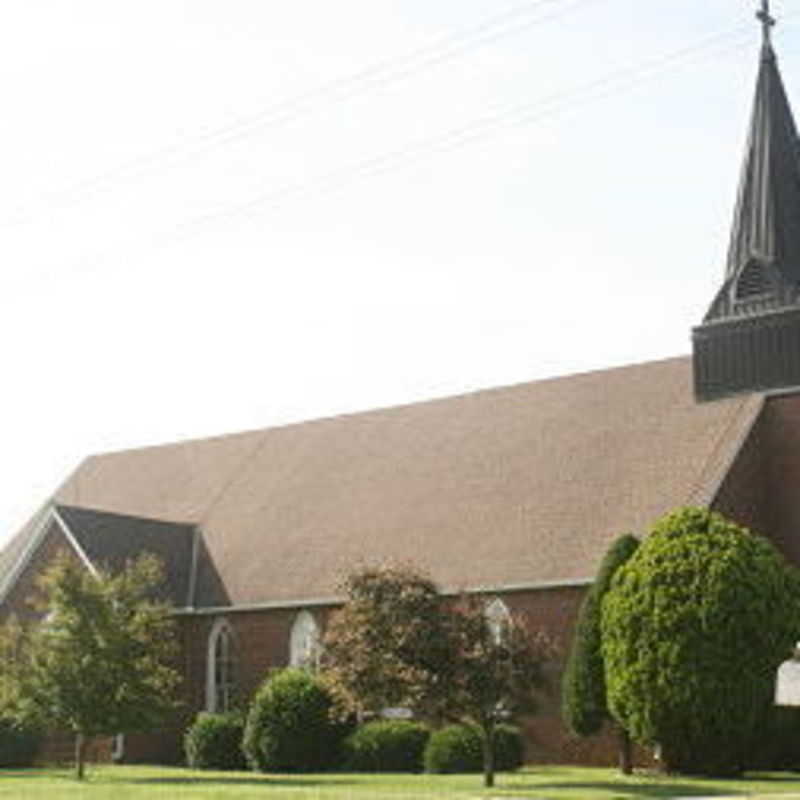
219	215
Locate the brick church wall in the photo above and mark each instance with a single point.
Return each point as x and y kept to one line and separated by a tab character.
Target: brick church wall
761	487
262	640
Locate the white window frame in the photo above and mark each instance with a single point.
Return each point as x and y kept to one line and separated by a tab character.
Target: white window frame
221	628
304	641
498	617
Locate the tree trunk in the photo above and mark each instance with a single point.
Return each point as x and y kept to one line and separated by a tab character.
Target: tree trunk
487	741
625	752
80	754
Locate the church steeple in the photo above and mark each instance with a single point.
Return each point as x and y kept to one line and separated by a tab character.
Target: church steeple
750	336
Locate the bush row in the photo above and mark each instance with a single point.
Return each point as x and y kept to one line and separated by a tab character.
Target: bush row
289	728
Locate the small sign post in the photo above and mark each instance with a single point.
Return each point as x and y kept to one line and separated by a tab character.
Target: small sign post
787	682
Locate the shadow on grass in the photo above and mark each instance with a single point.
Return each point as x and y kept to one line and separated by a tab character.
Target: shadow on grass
20	772
215	780
622	789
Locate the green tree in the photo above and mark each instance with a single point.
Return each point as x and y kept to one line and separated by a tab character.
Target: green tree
398	642
694	627
100	661
388	646
494	674
583	685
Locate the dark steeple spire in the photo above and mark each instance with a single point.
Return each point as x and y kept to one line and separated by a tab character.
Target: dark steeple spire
761	290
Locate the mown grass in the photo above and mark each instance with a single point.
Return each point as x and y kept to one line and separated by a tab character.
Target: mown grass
542	783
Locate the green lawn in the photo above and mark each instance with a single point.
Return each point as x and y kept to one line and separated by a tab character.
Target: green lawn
558	783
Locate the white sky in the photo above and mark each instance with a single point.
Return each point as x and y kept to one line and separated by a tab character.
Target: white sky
196	237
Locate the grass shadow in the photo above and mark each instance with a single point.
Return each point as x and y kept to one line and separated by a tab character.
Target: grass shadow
266	781
636	789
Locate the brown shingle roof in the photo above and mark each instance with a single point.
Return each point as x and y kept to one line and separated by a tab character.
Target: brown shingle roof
519	485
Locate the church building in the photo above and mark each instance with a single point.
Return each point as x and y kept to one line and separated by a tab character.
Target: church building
512	493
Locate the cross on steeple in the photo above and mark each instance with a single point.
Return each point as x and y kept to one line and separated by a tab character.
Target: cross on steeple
767	21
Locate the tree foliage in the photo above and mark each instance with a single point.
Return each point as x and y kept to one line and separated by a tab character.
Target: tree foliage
100	661
583	685
398	642
694	627
388	645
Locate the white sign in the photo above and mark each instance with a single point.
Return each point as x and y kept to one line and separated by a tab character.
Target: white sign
787	684
397	713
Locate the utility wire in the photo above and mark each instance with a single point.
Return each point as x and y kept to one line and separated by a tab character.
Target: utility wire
511	21
509	117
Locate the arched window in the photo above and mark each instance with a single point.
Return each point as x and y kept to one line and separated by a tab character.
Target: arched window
497	619
221	667
304	644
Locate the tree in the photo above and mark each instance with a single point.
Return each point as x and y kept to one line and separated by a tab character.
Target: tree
398	642
583	686
694	627
493	676
389	644
99	662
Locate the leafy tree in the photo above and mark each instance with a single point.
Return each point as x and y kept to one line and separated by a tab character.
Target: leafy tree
694	627
99	662
389	644
583	686
397	641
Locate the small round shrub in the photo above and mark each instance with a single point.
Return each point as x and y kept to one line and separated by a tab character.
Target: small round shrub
18	744
214	741
289	725
386	746
458	748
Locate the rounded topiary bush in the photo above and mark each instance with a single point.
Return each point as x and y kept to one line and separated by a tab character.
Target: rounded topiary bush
18	744
459	748
214	741
289	725
694	627
386	746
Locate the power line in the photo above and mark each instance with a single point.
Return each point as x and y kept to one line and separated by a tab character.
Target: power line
511	21
510	117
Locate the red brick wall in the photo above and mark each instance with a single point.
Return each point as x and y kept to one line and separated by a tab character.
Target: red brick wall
18	601
761	488
262	639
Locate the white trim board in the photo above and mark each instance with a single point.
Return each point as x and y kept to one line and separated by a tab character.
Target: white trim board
275	605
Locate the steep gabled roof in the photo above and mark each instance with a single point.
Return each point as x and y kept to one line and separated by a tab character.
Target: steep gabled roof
524	485
764	253
110	540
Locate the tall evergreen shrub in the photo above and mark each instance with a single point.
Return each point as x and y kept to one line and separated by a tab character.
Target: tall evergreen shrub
694	627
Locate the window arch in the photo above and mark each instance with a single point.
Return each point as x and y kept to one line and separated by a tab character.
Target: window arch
220	667
498	618
304	641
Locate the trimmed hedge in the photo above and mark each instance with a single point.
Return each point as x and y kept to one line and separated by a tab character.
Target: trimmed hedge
386	746
214	741
289	725
18	744
458	748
